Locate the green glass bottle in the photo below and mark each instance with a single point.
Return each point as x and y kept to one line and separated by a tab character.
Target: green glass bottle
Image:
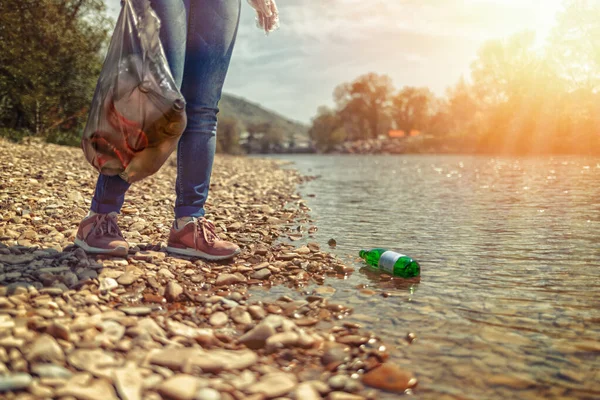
391	262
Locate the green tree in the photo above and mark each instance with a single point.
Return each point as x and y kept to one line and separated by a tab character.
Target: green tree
49	64
363	105
413	108
575	49
272	139
327	129
228	136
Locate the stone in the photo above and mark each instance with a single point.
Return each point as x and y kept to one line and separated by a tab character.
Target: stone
13	259
51	371
128	381
136	310
46	349
274	384
127	278
217	360
12	382
240	316
207	394
257	312
256	338
389	377
261	274
344	396
165	273
176	328
111	331
306	391
59	331
179	387
218	319
172	291
107	284
303	250
149	255
282	340
335	354
337	382
229	279
82	386
149	326
96	361
353	340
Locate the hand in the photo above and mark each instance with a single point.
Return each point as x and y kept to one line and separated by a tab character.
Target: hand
267	15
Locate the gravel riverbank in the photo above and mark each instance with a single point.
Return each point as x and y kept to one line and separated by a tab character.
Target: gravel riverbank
153	326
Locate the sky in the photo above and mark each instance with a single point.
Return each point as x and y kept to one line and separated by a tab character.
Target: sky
323	43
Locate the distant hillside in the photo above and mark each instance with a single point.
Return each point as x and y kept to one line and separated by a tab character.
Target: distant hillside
250	113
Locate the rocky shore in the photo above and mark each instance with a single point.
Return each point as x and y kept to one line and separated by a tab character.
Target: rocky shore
422	144
153	326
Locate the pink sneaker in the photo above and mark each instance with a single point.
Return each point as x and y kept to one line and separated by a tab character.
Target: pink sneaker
197	238
100	234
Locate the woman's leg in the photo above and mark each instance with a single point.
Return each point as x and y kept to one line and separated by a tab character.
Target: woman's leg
212	28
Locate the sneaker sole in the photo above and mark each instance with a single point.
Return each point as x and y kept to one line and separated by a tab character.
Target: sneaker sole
197	253
119	251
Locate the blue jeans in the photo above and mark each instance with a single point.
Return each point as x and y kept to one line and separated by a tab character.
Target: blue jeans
198	38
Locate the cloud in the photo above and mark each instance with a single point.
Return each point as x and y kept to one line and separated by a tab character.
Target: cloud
322	43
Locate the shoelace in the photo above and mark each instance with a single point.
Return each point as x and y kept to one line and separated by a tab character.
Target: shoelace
106	224
208	230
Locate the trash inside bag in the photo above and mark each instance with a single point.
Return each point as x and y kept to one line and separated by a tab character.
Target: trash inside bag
137	114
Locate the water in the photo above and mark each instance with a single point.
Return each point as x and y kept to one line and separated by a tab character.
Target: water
508	305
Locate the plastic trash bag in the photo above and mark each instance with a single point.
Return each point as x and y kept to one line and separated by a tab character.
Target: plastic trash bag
137	113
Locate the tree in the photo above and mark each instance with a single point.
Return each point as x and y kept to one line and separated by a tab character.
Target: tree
413	108
272	139
575	49
327	130
49	63
462	108
363	105
228	136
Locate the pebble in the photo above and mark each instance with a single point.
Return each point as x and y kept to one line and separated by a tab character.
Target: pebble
107	284
127	278
257	337
261	274
81	386
45	349
344	396
274	384
179	387
389	377
173	290
306	391
128	381
240	316
337	382
51	371
14	382
229	279
136	310
59	331
218	319
207	394
111	331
